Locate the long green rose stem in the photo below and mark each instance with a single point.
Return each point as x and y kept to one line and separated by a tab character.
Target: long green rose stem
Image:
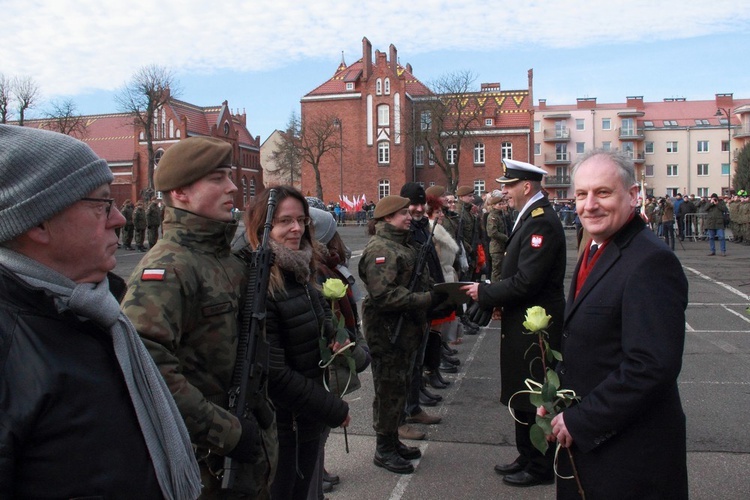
346	437
575	474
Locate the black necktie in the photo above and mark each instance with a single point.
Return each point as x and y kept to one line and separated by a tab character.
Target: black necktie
592	251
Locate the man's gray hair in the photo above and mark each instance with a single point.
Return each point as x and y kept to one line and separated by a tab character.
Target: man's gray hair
623	162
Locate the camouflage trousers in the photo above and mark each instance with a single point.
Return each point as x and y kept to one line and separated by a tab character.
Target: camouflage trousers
140	237
153	235
391	376
127	235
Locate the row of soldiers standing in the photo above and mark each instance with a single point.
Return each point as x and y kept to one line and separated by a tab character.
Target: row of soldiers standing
140	222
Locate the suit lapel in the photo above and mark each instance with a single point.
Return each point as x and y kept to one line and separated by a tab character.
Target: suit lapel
611	253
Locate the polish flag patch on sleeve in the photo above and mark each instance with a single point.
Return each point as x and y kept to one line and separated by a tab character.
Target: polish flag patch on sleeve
153	274
379	260
536	240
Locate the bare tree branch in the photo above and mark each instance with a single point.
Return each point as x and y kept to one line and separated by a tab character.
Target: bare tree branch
27	93
287	158
318	136
150	88
444	120
63	117
6	92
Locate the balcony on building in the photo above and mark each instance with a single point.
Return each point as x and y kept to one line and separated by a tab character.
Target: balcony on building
637	156
741	132
556	181
556	134
556	158
630	134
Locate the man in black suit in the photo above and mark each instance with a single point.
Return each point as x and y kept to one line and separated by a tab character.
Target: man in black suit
622	346
532	275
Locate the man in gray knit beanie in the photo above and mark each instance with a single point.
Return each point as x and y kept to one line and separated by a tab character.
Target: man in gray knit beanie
74	375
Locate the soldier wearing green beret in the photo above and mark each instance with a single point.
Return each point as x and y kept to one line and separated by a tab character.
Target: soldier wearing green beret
386	268
184	299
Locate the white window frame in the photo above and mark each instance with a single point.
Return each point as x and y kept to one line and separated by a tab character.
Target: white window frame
606	123
450	154
672	170
537	126
349	85
607	145
580	147
479	186
387	86
384	153
702	169
425	120
537	148
479	153
419	156
702	146
580	124
384	115
648	147
701	192
506	150
378	87
488	122
384	188
648	170
672	147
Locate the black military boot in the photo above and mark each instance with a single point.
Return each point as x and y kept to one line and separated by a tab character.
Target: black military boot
387	457
408	452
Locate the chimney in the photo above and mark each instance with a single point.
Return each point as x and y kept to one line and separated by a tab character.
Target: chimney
542	104
408	68
724	100
394	59
635	101
586	102
366	59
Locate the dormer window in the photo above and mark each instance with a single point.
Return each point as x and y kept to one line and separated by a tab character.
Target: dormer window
349	85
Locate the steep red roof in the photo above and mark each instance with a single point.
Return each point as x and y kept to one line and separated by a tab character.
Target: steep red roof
353	72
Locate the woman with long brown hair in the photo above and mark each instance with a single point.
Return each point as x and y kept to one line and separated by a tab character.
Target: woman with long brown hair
296	317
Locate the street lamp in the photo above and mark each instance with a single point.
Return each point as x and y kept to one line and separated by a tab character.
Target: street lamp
337	122
722	112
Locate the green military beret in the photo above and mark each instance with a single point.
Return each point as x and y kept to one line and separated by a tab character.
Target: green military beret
464	190
436	191
189	160
389	205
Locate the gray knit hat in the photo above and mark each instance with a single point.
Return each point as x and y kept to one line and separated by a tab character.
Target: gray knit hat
324	224
41	174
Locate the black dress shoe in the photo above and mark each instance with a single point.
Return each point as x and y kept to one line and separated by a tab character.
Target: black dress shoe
434	380
448	368
331	478
510	468
425	401
436	397
451	360
523	478
327	487
449	350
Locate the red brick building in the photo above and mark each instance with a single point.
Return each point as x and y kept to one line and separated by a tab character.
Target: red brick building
115	138
379	105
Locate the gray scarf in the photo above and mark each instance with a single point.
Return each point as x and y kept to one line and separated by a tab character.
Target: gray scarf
162	426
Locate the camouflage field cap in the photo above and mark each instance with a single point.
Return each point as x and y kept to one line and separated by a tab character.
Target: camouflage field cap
464	190
389	205
189	160
436	191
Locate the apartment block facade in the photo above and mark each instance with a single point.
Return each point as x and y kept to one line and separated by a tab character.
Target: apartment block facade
678	146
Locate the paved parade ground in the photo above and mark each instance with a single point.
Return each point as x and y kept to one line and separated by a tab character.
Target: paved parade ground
477	432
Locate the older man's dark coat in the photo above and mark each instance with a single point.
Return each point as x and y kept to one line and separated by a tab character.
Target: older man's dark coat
532	275
622	347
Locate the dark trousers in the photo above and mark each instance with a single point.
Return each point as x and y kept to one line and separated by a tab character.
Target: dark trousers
668	228
533	461
288	485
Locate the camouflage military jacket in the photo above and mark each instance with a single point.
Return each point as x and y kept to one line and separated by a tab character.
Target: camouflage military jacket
184	299
385	269
153	215
139	218
127	212
497	232
468	221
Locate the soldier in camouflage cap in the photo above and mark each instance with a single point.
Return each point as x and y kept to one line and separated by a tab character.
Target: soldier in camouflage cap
385	269
184	299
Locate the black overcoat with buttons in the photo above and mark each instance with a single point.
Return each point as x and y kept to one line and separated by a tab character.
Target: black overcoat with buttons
622	347
533	271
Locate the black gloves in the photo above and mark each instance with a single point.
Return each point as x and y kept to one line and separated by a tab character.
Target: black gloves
248	447
476	314
441	305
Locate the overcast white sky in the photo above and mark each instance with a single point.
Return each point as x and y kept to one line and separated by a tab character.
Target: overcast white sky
263	56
